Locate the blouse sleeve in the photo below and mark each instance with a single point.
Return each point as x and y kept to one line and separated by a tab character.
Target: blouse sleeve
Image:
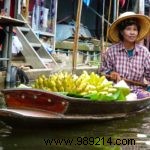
106	62
147	67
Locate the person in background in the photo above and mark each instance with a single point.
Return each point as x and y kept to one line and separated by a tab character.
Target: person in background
127	57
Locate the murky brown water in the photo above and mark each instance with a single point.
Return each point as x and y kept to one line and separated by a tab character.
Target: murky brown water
36	137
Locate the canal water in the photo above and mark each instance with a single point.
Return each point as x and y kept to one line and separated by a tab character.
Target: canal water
132	133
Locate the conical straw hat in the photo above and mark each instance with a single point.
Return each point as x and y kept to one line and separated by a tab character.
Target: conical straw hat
143	20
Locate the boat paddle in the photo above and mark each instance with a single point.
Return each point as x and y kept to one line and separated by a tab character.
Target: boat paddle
130	81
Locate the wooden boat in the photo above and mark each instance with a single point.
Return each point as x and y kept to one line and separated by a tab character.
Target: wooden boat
41	105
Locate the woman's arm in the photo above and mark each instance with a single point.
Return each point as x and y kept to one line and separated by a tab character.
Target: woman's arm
106	66
147	67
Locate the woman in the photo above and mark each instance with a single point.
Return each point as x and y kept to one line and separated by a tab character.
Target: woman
127	58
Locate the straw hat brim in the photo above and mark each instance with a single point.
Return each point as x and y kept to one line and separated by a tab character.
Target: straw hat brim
144	22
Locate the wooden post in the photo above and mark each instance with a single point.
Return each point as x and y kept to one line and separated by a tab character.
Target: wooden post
142	11
110	4
142	6
148	38
114	14
117	9
102	31
76	36
25	10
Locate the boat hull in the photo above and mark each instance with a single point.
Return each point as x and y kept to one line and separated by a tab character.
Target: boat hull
41	105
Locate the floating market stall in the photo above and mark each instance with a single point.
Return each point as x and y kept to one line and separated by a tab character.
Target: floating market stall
31	104
66	97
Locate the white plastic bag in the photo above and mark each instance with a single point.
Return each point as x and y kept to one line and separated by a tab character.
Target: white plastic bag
16	45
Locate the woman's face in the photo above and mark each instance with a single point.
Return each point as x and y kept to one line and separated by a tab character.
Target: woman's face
130	33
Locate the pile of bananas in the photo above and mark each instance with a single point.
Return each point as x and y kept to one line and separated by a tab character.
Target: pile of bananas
71	83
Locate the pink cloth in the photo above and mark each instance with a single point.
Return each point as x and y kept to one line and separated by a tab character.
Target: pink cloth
122	2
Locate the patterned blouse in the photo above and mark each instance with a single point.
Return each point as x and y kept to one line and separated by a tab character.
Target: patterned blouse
136	67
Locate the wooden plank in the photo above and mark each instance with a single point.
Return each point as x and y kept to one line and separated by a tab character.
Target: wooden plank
36	45
81	46
8	21
30	37
76	37
24	29
29	53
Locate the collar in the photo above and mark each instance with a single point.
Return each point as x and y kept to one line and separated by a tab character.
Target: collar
122	48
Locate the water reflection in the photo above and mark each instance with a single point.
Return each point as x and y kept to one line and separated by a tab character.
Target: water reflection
5	130
36	137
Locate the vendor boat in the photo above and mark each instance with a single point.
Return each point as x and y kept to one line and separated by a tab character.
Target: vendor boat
33	104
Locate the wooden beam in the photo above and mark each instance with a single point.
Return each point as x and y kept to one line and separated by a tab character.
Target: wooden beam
76	37
25	9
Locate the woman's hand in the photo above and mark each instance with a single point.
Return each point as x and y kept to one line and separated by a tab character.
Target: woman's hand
115	76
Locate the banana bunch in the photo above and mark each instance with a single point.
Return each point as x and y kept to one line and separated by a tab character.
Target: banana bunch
101	83
97	84
58	82
71	83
